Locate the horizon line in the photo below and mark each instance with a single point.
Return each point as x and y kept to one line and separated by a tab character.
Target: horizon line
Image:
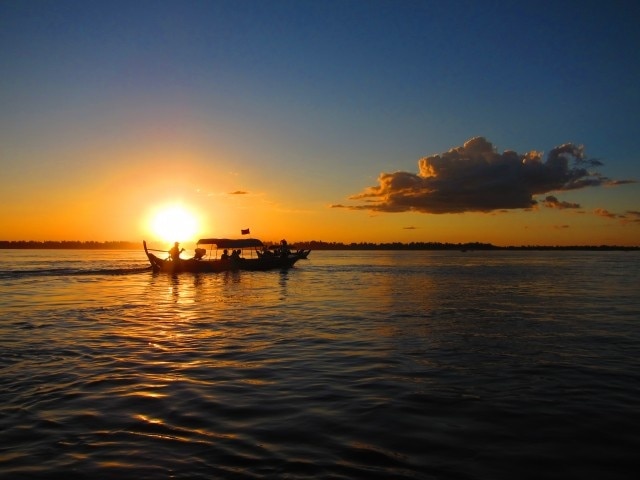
318	244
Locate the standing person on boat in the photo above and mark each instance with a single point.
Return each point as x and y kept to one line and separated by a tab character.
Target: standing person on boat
176	251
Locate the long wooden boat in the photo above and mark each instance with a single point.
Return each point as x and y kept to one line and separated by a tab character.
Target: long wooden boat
251	255
279	249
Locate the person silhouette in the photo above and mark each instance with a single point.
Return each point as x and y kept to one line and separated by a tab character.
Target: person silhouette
176	251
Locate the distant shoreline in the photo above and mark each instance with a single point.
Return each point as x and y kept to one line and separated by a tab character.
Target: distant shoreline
313	245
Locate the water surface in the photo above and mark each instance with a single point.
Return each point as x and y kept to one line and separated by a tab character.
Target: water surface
461	365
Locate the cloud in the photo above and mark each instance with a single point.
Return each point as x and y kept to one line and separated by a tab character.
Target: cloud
615	183
239	192
552	202
630	216
476	178
601	212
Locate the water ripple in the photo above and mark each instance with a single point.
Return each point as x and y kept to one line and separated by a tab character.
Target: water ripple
354	365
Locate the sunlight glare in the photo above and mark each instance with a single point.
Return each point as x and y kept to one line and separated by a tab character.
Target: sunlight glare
174	223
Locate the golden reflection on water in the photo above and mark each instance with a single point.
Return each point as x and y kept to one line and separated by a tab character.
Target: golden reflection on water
147	394
147	419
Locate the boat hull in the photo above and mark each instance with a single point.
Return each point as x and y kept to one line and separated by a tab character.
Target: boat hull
212	266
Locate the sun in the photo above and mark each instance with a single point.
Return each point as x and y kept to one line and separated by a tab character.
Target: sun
174	223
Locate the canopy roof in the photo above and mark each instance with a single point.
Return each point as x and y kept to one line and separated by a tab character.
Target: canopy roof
231	243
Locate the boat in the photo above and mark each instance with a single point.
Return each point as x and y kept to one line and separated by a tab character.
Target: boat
279	249
249	254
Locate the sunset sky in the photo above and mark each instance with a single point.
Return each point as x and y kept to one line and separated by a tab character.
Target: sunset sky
513	123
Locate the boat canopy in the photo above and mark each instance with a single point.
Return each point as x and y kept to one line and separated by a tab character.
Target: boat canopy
231	243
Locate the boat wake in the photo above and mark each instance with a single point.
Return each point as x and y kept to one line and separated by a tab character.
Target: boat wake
68	272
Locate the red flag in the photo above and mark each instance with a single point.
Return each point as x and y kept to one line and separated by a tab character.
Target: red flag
245	231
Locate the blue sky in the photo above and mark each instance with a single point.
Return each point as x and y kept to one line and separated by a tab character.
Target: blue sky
305	103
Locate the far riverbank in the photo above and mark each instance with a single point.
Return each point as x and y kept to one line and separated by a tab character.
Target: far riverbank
313	245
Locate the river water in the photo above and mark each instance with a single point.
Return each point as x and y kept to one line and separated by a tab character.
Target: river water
372	365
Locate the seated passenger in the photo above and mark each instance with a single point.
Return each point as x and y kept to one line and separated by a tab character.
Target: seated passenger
284	248
225	255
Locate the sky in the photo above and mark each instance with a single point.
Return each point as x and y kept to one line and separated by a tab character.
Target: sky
505	122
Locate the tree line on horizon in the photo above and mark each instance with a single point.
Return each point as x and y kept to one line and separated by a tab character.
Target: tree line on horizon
313	245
